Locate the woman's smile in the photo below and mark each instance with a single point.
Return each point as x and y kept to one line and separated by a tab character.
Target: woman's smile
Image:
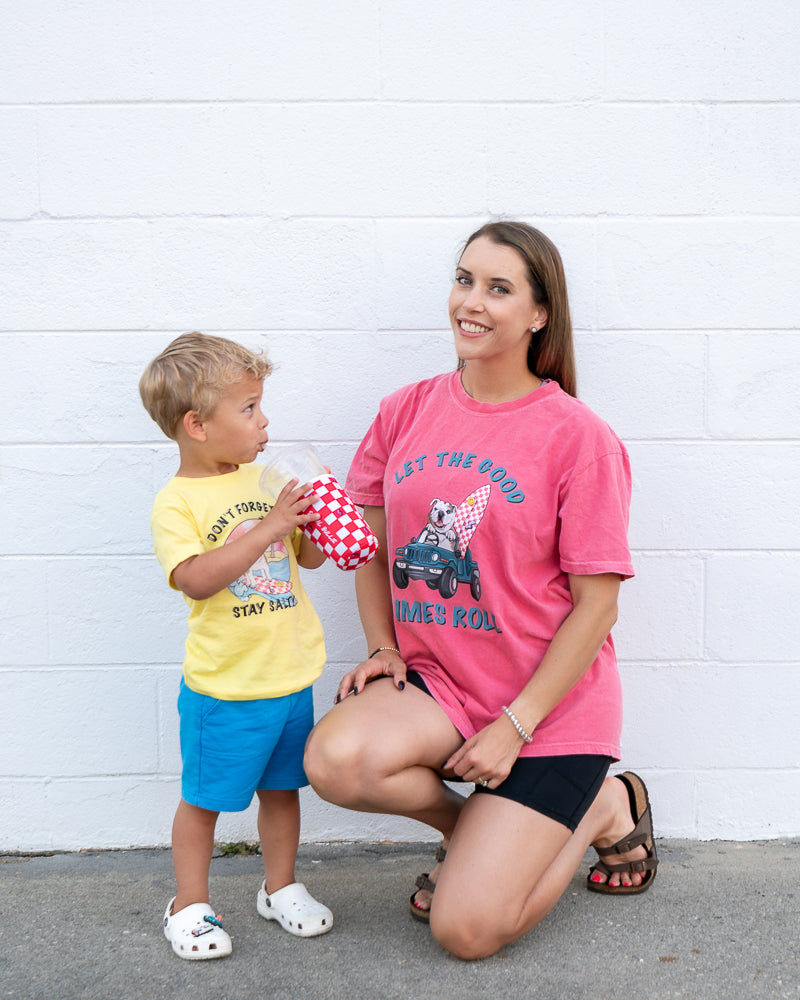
470	329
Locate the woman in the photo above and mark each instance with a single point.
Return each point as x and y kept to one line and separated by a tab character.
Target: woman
501	506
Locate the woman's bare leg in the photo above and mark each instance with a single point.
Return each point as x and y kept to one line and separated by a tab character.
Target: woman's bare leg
379	751
507	867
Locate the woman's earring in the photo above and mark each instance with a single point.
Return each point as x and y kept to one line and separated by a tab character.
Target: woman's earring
534	329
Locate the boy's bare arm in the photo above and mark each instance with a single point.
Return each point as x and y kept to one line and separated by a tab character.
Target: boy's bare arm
309	556
202	576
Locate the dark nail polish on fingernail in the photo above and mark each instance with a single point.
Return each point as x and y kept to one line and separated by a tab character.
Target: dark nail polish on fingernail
355	690
337	699
402	685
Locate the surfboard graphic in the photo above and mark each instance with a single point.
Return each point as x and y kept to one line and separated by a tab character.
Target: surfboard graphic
469	514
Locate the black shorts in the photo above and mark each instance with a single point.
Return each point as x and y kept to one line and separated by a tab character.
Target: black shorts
560	787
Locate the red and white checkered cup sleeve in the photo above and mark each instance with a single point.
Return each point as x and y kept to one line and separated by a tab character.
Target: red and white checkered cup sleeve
341	532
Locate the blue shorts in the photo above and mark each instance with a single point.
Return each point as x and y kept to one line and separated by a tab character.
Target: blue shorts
231	748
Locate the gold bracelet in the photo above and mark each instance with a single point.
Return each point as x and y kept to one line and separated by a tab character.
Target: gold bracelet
380	649
516	724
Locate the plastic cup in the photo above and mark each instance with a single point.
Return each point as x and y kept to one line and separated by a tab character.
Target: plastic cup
341	532
294	461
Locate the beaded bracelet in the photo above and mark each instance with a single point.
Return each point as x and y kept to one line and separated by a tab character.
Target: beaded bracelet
516	724
380	649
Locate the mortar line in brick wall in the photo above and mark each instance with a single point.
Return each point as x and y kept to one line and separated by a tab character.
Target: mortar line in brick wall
379	55
161	669
80	556
712	770
149	776
644	553
705	597
669	663
153	443
722	550
162	755
400	102
228	217
161	444
707	418
111	332
711	440
164	777
231	331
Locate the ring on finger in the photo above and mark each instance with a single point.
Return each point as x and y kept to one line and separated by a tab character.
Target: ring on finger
482	782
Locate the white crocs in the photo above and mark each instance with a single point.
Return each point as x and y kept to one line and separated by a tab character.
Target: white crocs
295	909
195	932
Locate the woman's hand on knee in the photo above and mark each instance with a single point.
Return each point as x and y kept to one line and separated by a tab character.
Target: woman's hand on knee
385	663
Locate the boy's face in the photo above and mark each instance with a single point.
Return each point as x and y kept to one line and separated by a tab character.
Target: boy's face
237	429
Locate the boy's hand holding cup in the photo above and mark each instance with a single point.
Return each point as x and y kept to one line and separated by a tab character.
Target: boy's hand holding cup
340	531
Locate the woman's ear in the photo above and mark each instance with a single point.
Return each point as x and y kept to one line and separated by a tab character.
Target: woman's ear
539	320
194	426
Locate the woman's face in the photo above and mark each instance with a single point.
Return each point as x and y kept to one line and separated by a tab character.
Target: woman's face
491	304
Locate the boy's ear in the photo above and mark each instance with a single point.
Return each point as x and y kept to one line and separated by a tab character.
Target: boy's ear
194	426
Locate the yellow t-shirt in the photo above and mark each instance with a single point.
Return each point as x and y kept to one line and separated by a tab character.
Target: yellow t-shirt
260	637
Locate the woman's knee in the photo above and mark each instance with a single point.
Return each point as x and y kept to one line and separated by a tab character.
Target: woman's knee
470	930
465	935
333	762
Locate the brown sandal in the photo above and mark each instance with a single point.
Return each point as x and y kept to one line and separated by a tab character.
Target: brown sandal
642	834
423	881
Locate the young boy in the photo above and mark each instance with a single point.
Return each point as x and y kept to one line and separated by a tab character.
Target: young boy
255	643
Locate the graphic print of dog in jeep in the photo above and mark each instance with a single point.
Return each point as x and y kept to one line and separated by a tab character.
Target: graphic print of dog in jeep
440	554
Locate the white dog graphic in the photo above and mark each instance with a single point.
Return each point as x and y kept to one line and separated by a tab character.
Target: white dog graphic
439	529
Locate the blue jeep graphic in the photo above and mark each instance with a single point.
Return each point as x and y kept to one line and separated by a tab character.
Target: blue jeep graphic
441	569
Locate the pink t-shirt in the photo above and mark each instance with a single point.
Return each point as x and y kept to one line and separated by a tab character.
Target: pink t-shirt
488	508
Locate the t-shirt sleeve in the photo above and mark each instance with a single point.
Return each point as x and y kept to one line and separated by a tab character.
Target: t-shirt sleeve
175	533
593	516
364	481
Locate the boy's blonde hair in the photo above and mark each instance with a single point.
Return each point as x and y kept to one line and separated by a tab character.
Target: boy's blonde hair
192	373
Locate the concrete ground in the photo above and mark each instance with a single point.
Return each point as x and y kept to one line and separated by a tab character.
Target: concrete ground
722	921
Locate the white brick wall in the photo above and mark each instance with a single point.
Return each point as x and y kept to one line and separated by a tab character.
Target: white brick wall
299	177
